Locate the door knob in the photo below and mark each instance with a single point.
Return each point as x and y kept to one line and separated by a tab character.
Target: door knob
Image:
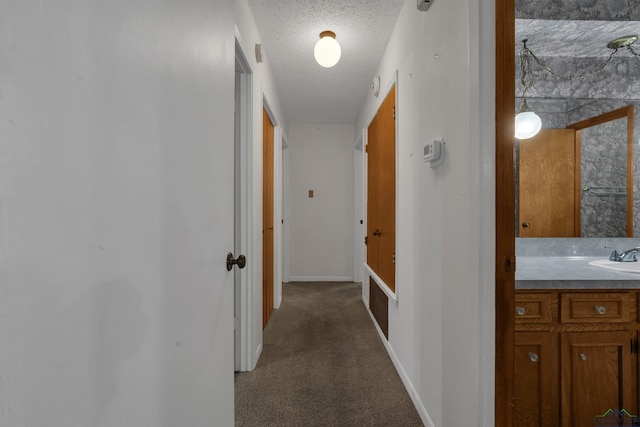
525	225
376	233
241	261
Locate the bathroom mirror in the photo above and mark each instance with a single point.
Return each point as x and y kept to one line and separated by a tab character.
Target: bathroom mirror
578	181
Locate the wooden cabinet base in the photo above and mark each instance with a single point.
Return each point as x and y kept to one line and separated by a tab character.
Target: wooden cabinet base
575	365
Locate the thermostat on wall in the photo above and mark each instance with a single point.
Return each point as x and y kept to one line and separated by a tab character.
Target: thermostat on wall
434	152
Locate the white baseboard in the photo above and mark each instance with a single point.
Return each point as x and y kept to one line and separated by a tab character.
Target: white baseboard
365	301
422	411
321	279
256	356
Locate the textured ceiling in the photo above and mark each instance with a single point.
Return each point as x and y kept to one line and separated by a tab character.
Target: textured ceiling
312	94
289	30
570	38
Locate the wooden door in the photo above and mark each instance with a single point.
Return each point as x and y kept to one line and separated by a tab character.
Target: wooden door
535	398
597	376
381	191
267	217
549	181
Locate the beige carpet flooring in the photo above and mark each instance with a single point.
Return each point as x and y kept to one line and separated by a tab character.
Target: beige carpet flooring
322	364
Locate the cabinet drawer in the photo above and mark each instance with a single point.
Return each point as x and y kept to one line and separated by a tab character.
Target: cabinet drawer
533	308
593	308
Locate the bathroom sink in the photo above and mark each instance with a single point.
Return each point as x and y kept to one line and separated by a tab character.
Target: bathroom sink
628	267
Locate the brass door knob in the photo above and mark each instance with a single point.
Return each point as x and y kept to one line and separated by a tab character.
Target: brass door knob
525	225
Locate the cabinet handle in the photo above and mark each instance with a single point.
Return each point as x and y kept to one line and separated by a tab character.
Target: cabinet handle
600	309
521	311
533	357
583	356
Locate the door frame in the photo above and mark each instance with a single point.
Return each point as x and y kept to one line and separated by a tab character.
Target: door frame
359	210
278	217
504	210
369	272
627	112
243	226
278	137
286	213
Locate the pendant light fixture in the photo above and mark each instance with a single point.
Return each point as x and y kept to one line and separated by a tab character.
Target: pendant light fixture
528	123
327	51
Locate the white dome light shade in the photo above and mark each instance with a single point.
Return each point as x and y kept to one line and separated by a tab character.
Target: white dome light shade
528	124
327	51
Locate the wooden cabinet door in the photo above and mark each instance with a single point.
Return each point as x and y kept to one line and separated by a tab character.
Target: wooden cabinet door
598	376
381	191
548	170
535	399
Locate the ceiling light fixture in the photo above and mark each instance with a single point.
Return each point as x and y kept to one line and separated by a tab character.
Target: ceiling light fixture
327	51
528	123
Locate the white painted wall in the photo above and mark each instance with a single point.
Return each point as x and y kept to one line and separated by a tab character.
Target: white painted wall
263	88
442	327
322	232
116	132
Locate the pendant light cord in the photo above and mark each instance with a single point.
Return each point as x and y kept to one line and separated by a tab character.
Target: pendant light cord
525	64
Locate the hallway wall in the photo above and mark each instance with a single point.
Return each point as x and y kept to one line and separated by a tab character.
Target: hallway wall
441	329
322	229
115	304
263	88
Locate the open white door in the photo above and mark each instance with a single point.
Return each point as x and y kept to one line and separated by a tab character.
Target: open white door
116	142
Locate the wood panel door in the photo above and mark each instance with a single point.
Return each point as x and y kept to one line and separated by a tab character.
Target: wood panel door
381	191
267	217
598	375
549	181
535	398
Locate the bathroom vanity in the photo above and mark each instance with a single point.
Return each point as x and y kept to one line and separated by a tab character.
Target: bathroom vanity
576	340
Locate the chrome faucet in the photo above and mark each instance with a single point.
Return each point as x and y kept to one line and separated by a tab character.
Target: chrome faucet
630	255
